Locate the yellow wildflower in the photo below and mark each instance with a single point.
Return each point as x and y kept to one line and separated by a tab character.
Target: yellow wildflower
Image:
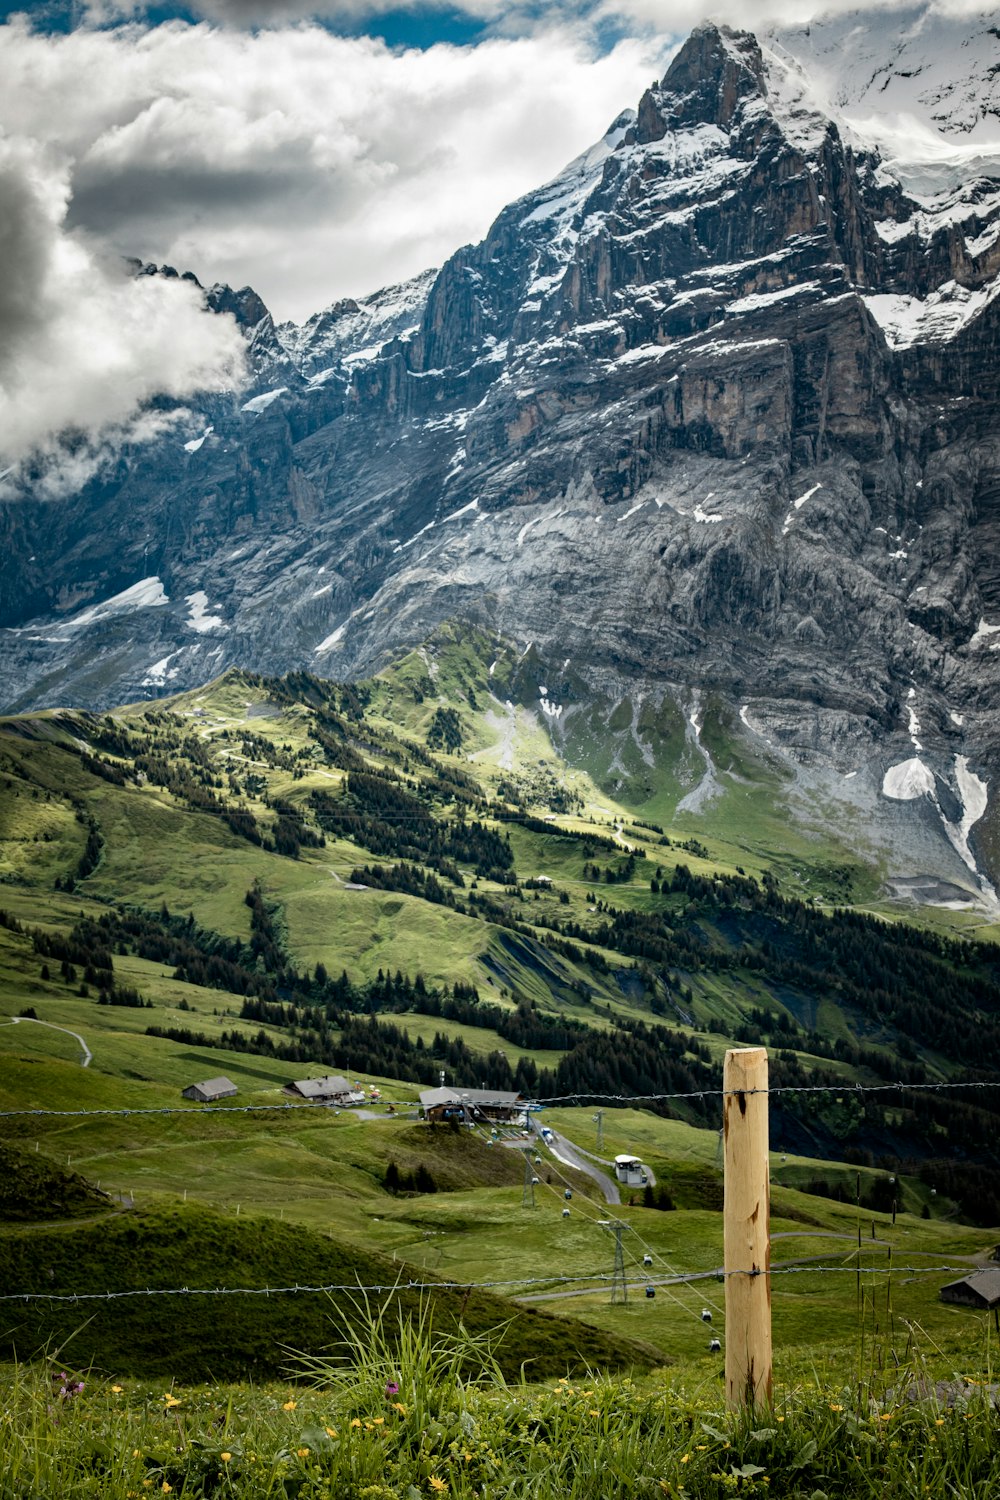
378	1421
438	1485
398	1406
686	1459
330	1431
594	1412
169	1399
166	1488
355	1421
117	1389
288	1406
836	1406
225	1457
939	1421
886	1416
302	1453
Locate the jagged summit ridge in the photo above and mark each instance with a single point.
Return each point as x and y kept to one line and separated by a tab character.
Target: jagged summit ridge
715	73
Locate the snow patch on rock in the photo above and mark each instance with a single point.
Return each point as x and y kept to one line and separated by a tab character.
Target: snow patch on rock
331	640
934	319
907	780
982	635
161	671
148	593
797	505
914	722
195	443
261	403
198	618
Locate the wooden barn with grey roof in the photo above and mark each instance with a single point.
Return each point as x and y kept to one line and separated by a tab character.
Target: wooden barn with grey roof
210	1090
980	1289
332	1089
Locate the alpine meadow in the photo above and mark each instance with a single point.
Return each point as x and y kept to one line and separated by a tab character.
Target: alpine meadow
499	828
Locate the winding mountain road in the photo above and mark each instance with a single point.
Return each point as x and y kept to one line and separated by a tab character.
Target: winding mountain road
571	1156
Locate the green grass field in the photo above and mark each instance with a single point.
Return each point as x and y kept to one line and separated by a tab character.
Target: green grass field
321	1174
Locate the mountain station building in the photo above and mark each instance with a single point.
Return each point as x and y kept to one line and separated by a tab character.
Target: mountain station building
473	1106
630	1171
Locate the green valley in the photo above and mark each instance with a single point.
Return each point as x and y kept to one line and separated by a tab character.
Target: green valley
271	879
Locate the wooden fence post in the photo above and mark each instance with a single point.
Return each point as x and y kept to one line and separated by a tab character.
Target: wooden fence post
747	1227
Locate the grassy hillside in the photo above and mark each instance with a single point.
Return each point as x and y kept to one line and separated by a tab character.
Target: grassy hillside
310	1170
32	1188
189	1337
276	879
259	864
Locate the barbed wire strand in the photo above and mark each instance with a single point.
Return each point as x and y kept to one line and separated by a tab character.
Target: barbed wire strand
598	1280
569	1101
663	1286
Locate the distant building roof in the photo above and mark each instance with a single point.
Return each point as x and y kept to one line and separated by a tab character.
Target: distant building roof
431	1098
981	1288
323	1088
212	1088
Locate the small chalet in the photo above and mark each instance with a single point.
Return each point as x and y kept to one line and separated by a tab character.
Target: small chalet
210	1090
473	1106
331	1090
980	1289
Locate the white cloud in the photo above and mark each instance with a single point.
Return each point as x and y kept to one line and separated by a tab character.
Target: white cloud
519	17
751	14
82	343
308	165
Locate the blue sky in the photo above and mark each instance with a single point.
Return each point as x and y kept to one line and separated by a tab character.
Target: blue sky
421	27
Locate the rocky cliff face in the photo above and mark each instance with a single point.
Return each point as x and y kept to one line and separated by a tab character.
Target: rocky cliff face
710	416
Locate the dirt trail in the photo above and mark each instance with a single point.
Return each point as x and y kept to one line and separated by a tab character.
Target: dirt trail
33	1020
